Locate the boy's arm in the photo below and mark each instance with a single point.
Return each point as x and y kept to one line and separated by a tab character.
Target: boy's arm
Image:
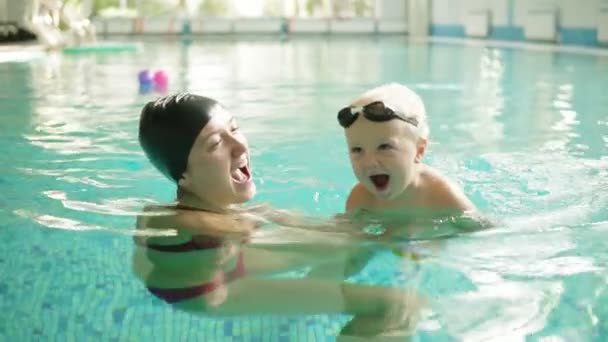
357	198
452	198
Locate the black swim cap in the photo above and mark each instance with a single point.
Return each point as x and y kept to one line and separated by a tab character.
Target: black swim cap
168	128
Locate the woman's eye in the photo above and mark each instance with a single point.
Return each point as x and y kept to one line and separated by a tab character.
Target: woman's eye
385	147
356	150
234	129
215	144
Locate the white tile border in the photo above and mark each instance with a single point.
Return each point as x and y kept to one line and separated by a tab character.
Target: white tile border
21	52
302	25
257	25
212	25
531	46
356	25
392	26
203	26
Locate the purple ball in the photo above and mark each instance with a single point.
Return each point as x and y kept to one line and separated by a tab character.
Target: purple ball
145	77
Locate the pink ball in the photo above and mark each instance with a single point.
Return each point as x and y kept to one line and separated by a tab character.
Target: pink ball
160	88
160	78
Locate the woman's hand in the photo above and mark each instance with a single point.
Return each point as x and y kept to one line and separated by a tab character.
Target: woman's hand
399	311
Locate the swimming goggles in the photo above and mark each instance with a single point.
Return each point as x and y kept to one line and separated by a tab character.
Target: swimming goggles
375	111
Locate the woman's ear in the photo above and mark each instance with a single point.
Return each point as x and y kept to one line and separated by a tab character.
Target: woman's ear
184	182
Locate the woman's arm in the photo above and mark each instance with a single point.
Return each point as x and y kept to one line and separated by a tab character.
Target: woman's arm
192	222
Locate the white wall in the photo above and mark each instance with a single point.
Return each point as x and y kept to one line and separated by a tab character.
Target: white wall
391	9
499	10
419	17
521	8
392	16
3	11
573	13
446	12
452	12
12	10
579	13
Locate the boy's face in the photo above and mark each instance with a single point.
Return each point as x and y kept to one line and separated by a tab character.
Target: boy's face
383	155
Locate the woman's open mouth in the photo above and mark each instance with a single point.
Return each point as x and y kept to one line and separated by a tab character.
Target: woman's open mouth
241	174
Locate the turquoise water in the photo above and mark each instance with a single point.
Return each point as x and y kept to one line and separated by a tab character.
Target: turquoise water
524	132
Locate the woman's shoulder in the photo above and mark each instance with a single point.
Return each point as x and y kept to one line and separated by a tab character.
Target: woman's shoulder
156	215
159	207
167	223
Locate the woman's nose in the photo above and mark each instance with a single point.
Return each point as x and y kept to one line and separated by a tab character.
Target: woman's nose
238	148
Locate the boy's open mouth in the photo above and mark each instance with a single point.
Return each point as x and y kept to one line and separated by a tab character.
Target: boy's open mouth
380	181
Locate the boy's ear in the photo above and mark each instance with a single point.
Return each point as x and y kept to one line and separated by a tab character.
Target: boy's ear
420	149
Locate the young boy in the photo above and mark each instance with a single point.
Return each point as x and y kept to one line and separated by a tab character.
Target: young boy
387	133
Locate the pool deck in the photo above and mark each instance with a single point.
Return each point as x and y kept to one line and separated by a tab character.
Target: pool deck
31	50
547	47
21	51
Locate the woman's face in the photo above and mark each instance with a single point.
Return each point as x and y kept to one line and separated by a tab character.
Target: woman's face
218	172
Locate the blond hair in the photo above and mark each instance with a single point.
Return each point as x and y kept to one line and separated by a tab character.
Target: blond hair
400	99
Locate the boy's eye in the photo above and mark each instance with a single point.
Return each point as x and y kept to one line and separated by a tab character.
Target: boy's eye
385	147
356	149
234	129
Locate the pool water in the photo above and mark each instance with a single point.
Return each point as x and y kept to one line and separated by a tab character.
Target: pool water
524	132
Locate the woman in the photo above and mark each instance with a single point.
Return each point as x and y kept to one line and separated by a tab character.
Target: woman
207	265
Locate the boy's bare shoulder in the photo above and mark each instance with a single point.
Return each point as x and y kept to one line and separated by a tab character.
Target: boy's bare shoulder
359	197
443	192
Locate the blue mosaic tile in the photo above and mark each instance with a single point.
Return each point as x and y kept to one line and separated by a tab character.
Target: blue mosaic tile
111	306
